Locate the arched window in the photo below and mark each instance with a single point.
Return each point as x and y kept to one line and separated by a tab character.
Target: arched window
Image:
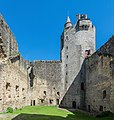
58	93
44	92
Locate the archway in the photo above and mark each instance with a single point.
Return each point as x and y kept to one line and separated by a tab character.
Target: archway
74	104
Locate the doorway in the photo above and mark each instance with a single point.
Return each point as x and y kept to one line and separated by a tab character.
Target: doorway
33	102
74	104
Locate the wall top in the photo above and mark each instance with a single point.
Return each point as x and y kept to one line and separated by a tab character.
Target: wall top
81	17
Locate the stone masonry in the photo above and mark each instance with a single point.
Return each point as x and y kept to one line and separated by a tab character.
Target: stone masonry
47	82
82	78
75	42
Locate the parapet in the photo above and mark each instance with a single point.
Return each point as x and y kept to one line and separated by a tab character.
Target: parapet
47	61
83	23
82	17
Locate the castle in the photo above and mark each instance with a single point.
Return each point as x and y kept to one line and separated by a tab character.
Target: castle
83	78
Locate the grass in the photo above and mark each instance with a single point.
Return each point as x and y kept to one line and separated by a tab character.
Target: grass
44	110
50	113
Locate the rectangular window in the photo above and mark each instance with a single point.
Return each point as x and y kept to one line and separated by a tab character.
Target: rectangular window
101	108
104	94
82	86
57	101
89	108
34	102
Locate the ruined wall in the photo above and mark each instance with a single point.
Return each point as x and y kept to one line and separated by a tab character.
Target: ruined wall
48	84
13	85
13	71
108	47
7	39
100	79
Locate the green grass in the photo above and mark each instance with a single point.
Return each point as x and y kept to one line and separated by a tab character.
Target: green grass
50	113
44	110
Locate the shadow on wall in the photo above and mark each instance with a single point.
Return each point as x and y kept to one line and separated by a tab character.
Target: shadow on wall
75	95
43	117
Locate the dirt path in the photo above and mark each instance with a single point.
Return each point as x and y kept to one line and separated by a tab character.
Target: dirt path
7	116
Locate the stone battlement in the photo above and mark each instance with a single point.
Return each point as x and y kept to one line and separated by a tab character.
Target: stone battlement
48	61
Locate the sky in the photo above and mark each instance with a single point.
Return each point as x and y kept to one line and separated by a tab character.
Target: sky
38	24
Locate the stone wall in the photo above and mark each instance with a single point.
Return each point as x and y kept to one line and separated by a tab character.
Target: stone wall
13	85
7	39
48	84
75	41
13	71
93	87
100	79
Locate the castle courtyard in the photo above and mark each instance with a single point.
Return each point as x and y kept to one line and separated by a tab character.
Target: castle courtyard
49	113
77	81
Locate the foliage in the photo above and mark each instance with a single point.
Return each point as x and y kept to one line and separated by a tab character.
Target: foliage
15	53
9	110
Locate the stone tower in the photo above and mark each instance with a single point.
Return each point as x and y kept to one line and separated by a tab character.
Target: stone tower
77	43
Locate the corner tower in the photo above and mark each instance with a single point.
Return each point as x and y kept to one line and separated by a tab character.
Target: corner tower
77	43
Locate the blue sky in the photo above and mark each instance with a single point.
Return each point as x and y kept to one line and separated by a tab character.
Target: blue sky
38	24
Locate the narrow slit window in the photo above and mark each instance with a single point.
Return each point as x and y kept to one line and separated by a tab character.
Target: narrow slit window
104	94
82	86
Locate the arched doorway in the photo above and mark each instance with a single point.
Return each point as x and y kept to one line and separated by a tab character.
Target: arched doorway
74	104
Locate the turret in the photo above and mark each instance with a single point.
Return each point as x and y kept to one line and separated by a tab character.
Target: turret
68	23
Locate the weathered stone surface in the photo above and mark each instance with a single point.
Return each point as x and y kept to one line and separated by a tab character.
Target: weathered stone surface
81	79
100	78
74	42
48	82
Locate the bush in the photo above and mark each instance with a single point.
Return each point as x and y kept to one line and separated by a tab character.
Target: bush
9	110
